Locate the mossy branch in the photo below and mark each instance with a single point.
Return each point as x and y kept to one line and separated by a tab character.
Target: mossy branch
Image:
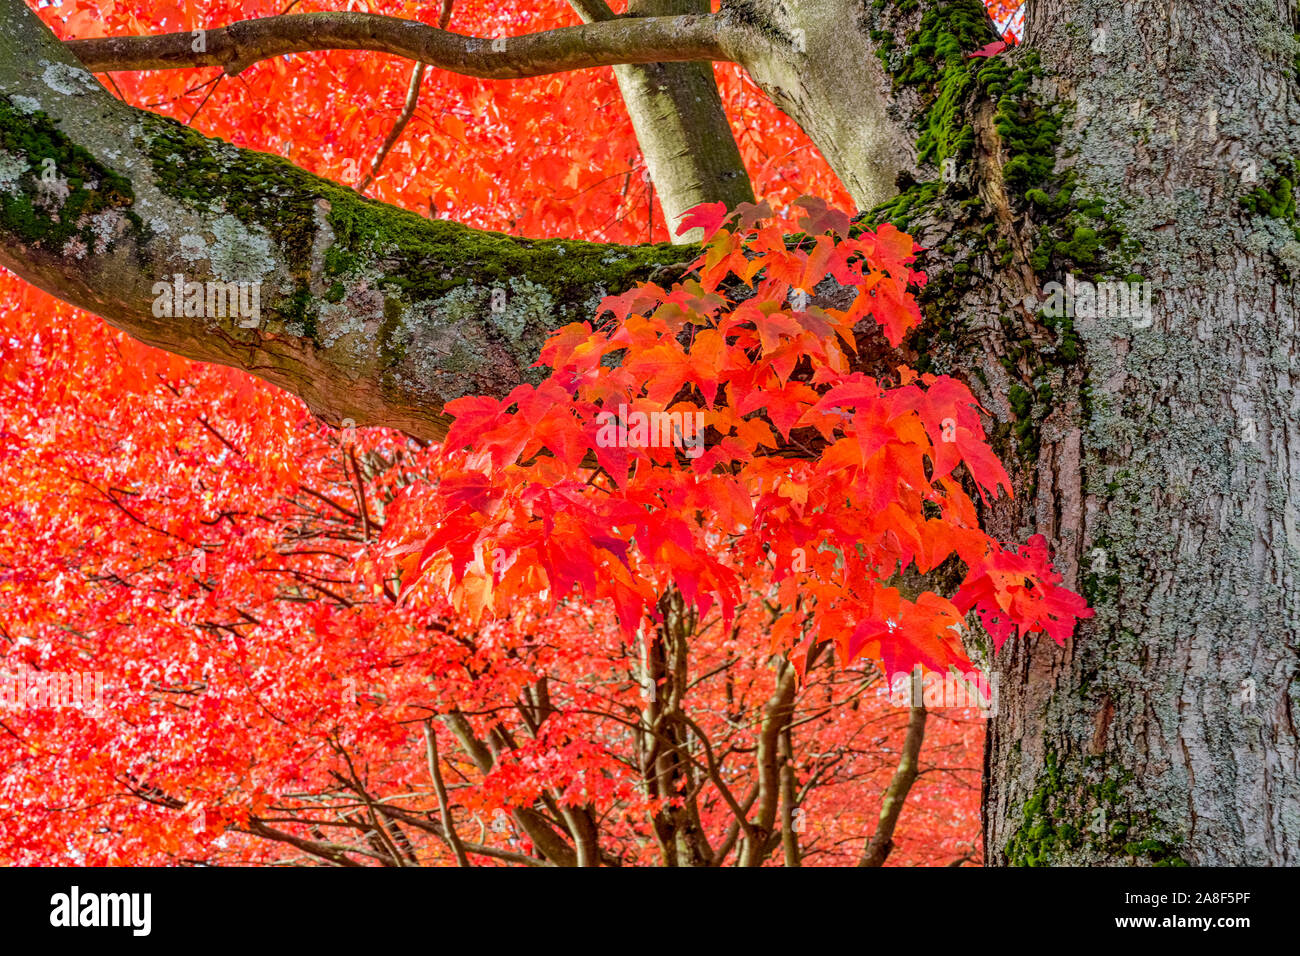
364	310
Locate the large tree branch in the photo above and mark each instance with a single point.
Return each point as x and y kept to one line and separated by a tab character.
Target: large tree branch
602	43
691	156
366	311
820	63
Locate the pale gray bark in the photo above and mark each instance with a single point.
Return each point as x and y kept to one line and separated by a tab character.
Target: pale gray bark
690	153
817	63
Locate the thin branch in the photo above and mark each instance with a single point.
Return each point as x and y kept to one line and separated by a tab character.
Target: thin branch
882	841
592	11
334	852
440	788
607	43
204	102
350	455
408	110
478	849
444	15
379	836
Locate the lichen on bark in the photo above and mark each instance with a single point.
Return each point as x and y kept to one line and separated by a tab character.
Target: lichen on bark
407	258
52	191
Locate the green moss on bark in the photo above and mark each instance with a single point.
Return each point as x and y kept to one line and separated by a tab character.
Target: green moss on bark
1068	233
411	259
1066	821
52	191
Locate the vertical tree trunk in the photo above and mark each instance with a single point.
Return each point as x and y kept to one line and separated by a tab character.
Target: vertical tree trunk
1160	454
1169	480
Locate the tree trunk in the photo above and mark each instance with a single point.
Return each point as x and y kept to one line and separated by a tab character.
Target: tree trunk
1156	451
1166	730
690	154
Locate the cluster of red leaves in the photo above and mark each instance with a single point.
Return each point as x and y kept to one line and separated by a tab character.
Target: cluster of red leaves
823	481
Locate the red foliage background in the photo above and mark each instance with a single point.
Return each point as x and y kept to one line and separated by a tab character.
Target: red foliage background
191	533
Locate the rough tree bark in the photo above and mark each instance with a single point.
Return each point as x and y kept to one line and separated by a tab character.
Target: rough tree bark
1167	730
1160	455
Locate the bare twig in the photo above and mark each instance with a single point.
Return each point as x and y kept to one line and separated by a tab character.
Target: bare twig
408	110
440	788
